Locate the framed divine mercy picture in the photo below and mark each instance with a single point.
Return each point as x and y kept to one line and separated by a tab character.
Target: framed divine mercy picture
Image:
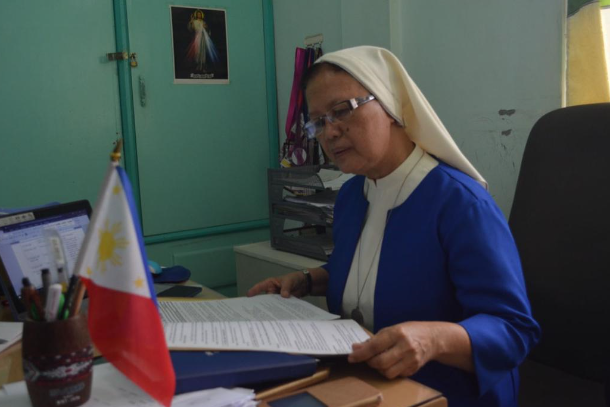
200	48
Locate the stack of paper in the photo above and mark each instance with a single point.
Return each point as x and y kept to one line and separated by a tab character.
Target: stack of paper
324	201
219	397
260	308
333	179
263	323
111	388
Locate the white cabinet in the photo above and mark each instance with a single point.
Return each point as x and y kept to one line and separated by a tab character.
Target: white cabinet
258	261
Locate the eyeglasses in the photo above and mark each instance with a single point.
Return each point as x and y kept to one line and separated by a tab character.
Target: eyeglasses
338	113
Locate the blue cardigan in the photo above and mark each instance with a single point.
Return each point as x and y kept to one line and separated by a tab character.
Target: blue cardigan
447	255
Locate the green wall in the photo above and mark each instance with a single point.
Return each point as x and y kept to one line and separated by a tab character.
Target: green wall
62	105
59	103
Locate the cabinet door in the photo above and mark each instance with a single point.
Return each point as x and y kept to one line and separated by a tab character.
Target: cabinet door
202	148
59	108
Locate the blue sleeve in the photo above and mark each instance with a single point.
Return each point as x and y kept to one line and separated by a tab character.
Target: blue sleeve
484	266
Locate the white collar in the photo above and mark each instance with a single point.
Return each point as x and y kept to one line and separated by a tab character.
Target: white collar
394	180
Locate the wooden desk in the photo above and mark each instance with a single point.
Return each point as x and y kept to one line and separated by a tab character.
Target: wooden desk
10	365
205	294
396	393
208	294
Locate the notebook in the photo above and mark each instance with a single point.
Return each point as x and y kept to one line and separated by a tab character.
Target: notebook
198	370
24	248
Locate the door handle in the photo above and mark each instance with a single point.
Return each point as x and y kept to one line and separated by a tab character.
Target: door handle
142	86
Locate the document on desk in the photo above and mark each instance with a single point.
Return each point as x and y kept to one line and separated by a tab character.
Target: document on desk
111	388
302	337
270	307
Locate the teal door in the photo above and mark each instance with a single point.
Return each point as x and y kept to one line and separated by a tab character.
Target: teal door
59	104
202	149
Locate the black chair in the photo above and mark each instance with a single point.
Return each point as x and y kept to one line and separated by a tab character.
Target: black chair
561	222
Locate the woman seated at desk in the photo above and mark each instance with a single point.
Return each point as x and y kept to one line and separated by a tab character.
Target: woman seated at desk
423	256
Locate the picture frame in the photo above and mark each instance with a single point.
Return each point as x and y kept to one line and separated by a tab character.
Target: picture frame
200	45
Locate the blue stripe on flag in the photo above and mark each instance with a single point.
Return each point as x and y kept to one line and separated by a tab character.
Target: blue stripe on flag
136	223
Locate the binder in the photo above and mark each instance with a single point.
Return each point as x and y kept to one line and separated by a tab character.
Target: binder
198	370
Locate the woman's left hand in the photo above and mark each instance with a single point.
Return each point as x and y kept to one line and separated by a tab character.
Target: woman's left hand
398	350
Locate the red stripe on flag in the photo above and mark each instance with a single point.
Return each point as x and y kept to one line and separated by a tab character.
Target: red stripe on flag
127	330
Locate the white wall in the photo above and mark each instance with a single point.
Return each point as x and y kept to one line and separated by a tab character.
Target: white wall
476	61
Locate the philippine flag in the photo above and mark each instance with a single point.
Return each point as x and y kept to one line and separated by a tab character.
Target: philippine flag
124	322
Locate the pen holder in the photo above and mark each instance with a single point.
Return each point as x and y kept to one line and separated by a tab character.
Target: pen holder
57	362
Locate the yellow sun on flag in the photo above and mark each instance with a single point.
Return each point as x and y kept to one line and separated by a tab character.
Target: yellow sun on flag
109	243
116	190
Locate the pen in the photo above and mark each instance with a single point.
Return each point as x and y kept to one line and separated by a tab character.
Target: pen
62	279
53	302
46	282
35	315
79	292
26	295
69	297
35	309
55	247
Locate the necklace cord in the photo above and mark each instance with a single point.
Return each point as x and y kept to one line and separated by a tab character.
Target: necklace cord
360	290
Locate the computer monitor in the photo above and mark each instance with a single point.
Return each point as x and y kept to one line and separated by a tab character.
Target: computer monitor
24	249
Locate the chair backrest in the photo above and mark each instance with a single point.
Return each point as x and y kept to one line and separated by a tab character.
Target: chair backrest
561	222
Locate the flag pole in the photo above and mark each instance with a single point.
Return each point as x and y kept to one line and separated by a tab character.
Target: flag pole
123	318
115	157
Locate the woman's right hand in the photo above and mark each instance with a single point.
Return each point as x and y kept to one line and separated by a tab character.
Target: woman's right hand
286	285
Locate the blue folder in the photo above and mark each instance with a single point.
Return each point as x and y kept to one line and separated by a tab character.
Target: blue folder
200	370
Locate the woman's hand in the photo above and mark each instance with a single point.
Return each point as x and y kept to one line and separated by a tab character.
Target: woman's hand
399	350
286	285
403	349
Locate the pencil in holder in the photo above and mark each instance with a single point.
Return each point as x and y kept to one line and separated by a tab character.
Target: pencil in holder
57	362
